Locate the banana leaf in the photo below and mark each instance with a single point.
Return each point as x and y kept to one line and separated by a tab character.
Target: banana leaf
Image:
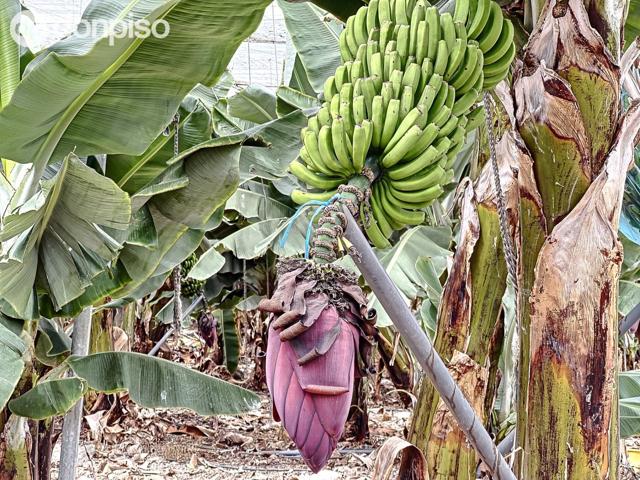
11	350
48	399
315	39
53	344
256	204
9	51
632	25
630	218
342	9
210	263
401	263
256	239
58	237
104	95
230	335
282	137
289	100
132	173
255	104
156	383
629	396
181	217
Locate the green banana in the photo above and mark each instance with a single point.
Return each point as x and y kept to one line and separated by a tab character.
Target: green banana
488	38
429	134
402	216
502	45
465	102
378	212
422	180
361	33
401	148
339	139
433	29
361	141
372	15
448	29
475	118
480	19
377	119
329	89
371	227
359	109
442	58
408	169
420	196
301	197
326	151
391	118
312	179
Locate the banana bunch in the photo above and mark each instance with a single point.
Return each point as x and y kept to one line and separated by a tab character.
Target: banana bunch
190	287
402	103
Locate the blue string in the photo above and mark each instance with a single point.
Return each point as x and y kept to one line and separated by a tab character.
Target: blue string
301	209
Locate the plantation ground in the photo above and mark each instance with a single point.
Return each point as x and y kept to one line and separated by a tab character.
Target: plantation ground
147	444
122	441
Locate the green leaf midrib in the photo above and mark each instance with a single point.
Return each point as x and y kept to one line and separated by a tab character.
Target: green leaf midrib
146	157
57	132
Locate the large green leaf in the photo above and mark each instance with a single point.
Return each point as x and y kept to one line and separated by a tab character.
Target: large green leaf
632	25
48	399
59	236
230	336
210	263
289	100
131	173
342	9
153	382
255	104
181	217
283	139
11	350
254	240
256	204
629	393
115	96
53	344
630	216
315	38
427	244
9	51
629	296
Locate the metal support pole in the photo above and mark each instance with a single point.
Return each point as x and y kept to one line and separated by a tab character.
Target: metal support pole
433	366
630	320
154	351
73	419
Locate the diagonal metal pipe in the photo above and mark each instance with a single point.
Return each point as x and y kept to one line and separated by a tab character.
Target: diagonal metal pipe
433	366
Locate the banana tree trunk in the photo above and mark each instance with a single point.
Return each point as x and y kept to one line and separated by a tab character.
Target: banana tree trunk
470	322
567	109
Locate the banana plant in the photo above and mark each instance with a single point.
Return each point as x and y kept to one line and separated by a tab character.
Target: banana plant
74	232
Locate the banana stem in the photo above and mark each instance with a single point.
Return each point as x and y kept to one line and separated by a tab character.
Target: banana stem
333	222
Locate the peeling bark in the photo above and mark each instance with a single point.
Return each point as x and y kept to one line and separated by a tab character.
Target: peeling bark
566	43
469	318
549	121
448	452
574	331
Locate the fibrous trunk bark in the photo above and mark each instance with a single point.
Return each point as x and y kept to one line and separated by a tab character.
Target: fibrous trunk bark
567	97
469	331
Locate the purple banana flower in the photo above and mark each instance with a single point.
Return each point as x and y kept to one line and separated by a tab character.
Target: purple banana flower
318	333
